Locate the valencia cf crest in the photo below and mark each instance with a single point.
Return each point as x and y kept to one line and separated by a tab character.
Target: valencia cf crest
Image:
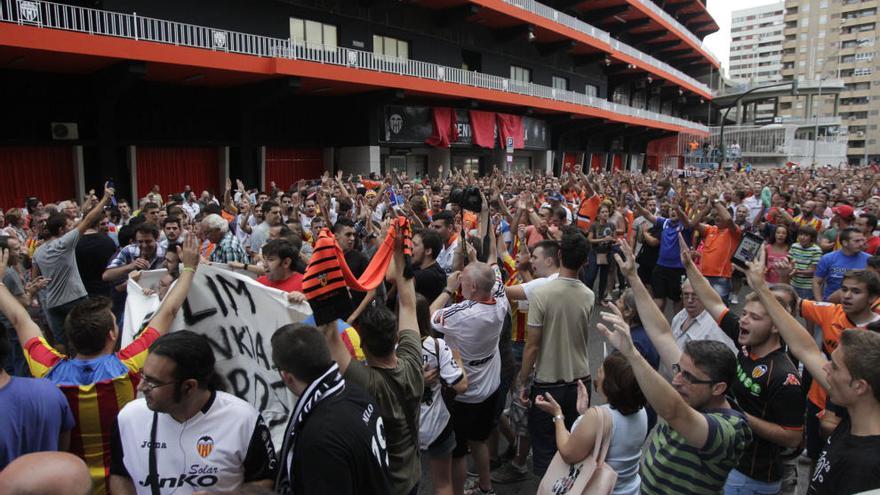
759	371
323	279
204	446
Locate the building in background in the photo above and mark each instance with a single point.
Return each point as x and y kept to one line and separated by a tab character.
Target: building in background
756	50
184	92
756	44
830	40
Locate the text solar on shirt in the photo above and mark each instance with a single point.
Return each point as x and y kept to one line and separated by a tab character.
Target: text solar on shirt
222	446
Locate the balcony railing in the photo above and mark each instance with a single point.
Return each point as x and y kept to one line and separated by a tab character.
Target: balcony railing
576	24
132	26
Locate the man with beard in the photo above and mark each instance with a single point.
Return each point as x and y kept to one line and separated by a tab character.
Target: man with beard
444	224
198	437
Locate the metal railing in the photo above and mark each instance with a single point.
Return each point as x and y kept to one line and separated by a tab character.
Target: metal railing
572	22
132	26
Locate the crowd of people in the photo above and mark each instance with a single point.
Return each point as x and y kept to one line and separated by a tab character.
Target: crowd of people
473	300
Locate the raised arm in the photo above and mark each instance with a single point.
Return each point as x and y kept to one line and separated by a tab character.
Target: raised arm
189	255
17	315
93	214
653	320
800	341
645	213
668	403
702	288
406	296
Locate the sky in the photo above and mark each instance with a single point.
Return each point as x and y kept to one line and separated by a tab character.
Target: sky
719	42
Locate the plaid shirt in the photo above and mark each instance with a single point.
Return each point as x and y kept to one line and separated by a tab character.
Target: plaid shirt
228	249
132	252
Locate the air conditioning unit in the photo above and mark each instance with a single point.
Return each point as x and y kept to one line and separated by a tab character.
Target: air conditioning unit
64	131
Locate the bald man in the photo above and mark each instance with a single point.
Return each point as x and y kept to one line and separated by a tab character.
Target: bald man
60	473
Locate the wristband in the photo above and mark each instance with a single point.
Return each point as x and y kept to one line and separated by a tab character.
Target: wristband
448	291
558	417
189	269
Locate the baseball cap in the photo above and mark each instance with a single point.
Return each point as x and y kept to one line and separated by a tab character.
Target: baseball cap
843	211
555	196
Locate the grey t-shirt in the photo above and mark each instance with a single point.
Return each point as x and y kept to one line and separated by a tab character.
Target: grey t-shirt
56	260
12	282
400	413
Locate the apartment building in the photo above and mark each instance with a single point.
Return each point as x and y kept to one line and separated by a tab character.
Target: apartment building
836	39
756	44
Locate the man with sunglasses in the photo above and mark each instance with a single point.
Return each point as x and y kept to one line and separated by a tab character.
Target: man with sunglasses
701	436
96	381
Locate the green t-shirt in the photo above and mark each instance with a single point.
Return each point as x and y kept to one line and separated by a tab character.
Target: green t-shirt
803	259
670	465
398	393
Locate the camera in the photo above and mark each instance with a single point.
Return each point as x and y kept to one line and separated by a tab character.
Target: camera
467	198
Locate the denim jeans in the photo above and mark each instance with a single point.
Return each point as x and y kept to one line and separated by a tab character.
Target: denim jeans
740	484
56	316
722	286
541	427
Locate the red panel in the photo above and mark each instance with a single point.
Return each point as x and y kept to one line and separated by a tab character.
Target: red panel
617	162
285	166
597	161
45	172
174	168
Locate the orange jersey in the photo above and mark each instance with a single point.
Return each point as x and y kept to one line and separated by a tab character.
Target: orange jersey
518	317
833	321
96	391
587	212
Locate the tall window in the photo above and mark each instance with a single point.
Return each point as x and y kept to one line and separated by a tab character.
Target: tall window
520	74
591	90
386	46
312	32
560	82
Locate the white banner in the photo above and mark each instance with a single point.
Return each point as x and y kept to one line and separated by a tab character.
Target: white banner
239	316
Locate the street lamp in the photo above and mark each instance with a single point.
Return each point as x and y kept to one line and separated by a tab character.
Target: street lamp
794	91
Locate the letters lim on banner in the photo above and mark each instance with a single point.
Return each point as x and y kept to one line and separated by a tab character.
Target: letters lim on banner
239	316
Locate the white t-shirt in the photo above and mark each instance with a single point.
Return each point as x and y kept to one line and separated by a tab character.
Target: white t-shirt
444	259
474	329
530	286
218	449
434	415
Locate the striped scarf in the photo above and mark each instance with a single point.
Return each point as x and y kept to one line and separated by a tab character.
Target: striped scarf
328	277
330	384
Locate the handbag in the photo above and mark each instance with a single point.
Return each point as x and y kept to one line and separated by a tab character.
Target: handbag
591	476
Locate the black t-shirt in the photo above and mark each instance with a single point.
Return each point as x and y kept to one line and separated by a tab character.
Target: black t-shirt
769	388
848	463
93	253
357	262
337	447
600	231
430	281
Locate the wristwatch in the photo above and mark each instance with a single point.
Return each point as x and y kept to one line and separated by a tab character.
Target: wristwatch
448	291
558	417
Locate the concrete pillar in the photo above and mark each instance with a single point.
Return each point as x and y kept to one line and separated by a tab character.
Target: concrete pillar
739	113
223	166
131	159
261	174
79	174
359	159
543	161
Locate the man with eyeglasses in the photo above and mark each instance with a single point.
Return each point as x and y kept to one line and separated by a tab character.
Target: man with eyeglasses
96	381
186	435
701	436
693	322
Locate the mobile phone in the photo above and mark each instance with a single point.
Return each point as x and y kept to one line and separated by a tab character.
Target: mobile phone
112	185
747	250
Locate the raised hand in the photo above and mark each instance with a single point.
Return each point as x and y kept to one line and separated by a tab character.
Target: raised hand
189	252
616	332
627	266
583	399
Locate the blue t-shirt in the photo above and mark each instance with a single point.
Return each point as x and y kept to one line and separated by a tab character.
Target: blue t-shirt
645	346
33	413
669	256
834	265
